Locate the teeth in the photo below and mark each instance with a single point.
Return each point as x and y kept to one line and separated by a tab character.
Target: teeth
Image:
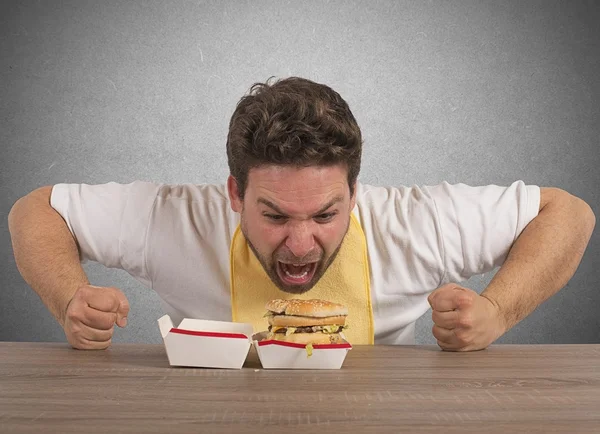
296	276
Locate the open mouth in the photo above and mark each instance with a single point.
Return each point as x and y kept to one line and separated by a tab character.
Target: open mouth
296	274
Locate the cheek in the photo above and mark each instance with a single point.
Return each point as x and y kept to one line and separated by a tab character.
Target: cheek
330	236
273	236
267	237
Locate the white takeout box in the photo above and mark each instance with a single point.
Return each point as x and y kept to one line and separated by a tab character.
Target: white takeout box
286	355
206	344
222	344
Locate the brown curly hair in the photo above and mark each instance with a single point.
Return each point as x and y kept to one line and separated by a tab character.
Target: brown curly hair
293	121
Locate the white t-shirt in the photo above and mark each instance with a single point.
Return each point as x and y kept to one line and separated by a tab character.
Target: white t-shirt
176	239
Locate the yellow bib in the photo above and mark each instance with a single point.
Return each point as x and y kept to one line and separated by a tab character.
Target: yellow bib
346	281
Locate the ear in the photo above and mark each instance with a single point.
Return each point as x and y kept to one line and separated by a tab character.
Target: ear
353	198
234	194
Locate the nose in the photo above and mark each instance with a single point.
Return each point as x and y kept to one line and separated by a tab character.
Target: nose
300	239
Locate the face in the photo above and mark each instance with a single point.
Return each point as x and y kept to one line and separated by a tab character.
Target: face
294	220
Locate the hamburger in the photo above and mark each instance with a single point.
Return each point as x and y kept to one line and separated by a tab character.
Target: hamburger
306	322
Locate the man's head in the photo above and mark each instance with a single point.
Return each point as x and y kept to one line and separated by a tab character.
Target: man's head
294	152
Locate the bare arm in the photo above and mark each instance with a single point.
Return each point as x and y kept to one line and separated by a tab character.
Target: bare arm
45	251
543	258
541	261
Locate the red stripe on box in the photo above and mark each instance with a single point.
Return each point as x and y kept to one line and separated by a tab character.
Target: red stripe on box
295	345
209	334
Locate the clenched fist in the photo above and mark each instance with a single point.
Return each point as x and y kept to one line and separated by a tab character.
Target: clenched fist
91	315
463	320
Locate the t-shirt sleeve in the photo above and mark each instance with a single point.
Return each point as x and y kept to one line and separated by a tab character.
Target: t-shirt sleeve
479	225
109	222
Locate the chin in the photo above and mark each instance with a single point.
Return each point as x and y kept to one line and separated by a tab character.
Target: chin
295	289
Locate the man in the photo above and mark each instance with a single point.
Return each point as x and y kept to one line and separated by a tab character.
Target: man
293	221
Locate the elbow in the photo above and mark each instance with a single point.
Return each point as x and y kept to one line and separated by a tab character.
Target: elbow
585	215
591	217
14	214
578	214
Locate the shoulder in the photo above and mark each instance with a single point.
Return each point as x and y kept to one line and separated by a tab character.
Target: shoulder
393	198
400	211
208	193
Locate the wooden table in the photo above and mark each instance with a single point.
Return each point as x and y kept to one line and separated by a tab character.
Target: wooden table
49	387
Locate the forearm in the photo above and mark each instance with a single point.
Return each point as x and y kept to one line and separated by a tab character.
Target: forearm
45	252
543	258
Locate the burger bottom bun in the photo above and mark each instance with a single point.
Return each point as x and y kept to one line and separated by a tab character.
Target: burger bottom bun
305	321
308	338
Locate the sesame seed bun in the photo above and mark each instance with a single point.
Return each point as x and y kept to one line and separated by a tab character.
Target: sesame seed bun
307	308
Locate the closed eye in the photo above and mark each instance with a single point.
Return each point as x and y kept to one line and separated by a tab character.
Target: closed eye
276	217
325	217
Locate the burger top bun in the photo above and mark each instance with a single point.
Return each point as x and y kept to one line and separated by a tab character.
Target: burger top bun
311	308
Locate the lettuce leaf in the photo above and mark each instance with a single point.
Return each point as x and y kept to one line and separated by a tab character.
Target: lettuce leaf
309	350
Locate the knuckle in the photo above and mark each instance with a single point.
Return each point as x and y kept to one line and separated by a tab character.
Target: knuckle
82	292
72	314
465	300
108	321
123	302
81	344
462	337
444	346
465	321
100	335
75	307
459	302
75	318
460	334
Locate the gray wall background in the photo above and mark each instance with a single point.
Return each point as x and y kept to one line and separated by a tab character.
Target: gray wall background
468	91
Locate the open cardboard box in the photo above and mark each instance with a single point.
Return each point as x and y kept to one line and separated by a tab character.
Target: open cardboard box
286	355
222	344
206	344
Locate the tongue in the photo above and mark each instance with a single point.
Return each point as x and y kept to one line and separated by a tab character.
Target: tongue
297	269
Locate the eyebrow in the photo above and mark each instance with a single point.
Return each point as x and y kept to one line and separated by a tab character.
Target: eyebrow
280	211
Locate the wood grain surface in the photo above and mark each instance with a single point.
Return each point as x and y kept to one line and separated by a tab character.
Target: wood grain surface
49	387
